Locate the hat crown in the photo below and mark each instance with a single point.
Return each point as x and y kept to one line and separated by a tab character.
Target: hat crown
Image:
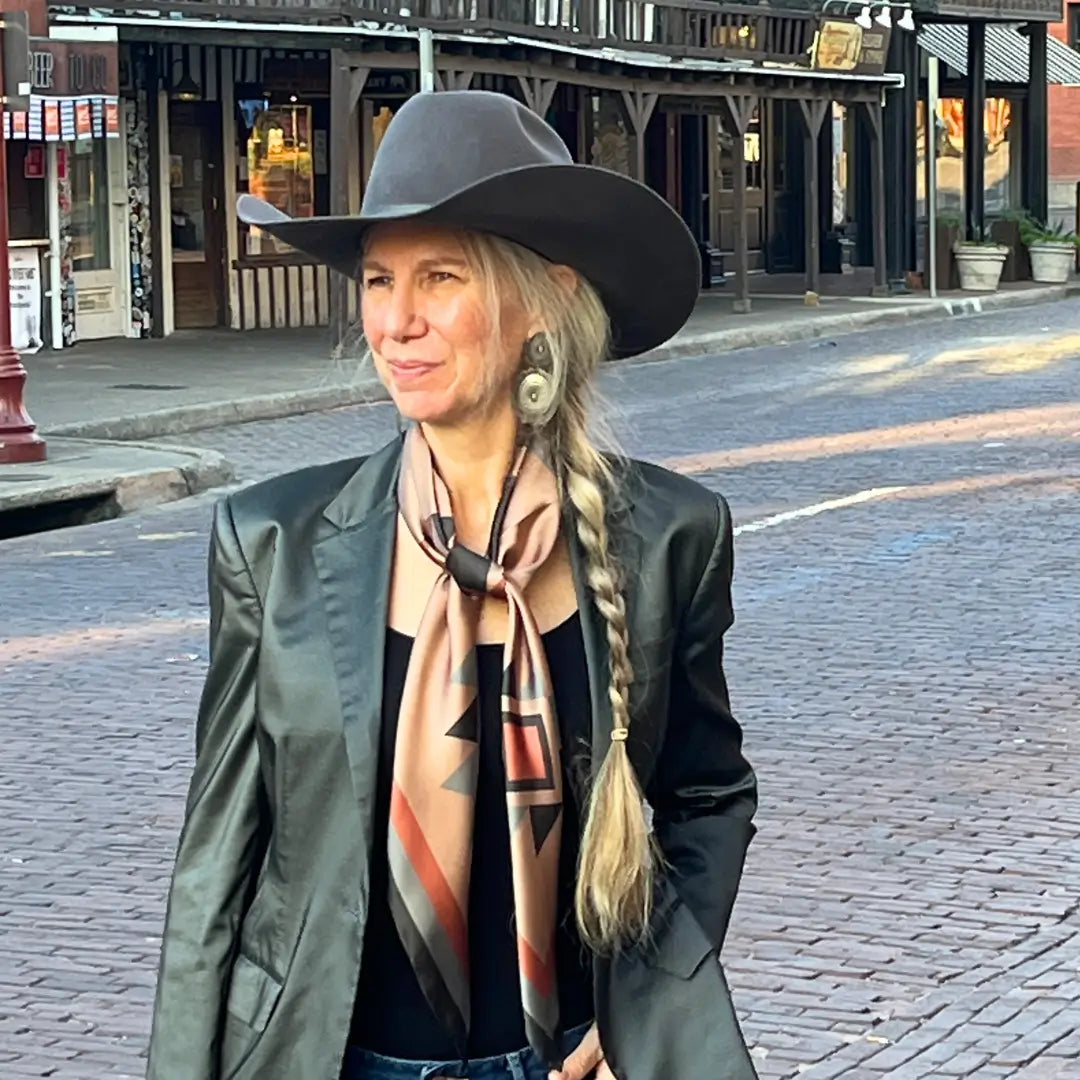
441	143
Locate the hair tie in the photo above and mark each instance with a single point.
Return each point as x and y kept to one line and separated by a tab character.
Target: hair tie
619	734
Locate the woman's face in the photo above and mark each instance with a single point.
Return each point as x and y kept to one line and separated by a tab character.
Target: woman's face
425	316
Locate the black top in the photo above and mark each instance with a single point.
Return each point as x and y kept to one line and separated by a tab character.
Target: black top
392	1016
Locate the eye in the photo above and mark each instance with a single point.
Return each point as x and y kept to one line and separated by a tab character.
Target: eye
376	281
441	276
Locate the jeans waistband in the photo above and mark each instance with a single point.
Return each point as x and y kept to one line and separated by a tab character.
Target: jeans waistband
522	1064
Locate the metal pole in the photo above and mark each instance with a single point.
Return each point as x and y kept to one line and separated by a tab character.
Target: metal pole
427	61
52	212
19	441
932	92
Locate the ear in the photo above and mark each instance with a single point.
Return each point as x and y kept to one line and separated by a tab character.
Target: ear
565	276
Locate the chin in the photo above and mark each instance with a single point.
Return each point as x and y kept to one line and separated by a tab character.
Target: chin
424	408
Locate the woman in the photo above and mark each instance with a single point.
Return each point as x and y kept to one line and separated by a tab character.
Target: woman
445	678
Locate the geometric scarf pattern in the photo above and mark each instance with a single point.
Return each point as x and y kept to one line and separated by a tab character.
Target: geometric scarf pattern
436	754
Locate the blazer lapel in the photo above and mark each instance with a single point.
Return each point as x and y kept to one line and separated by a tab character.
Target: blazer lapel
353	560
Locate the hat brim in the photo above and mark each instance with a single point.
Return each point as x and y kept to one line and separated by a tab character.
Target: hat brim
621	236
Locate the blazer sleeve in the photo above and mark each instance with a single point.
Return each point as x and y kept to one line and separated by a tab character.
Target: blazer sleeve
703	792
223	836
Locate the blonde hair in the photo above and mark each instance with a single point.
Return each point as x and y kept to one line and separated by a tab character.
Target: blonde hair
616	864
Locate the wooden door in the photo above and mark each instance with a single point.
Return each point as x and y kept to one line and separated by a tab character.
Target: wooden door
198	220
784	190
723	187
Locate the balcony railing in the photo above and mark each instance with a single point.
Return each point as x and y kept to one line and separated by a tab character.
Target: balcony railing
679	28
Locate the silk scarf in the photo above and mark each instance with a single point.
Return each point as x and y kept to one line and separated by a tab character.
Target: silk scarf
436	752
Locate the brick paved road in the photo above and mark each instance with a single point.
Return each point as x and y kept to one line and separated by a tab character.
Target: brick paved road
904	663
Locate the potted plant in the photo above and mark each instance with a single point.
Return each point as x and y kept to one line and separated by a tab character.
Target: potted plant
1052	250
980	262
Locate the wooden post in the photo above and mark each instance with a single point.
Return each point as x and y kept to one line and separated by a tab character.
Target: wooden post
814	115
1036	183
346	86
877	181
974	133
639	107
741	111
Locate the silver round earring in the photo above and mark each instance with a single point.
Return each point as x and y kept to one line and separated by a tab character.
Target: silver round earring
536	397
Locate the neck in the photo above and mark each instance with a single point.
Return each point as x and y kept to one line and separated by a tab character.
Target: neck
473	460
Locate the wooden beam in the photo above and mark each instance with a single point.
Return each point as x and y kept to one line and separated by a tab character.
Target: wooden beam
586	73
814	116
740	112
538	93
877	187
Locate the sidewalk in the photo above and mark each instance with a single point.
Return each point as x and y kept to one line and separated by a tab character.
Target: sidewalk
125	391
128	389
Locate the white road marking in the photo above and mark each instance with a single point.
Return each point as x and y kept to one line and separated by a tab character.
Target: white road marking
817	508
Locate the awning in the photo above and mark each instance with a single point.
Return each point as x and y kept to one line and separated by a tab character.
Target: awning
1006	53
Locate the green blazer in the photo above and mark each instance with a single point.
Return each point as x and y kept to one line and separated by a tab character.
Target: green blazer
269	895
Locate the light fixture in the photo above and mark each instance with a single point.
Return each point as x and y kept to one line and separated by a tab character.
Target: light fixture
884	18
863	19
186	88
907	20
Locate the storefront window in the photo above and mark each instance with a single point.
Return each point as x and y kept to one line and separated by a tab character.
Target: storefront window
751	153
88	168
949	150
281	168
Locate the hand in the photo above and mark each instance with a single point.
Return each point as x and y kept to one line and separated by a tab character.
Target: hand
586	1057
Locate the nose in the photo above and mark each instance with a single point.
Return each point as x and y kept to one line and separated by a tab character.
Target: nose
401	319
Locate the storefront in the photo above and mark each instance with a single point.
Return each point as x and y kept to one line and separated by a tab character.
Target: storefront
67	197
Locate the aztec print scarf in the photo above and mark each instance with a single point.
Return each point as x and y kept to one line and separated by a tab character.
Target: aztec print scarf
436	754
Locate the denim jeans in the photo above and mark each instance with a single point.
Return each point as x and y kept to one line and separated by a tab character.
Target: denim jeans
520	1065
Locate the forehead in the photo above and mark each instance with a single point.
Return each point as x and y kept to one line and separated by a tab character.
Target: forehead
411	242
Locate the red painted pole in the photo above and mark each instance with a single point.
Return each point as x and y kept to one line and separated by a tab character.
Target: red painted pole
19	441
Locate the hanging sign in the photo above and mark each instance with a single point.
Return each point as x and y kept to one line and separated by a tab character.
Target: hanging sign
84	120
25	291
112	119
52	121
843	45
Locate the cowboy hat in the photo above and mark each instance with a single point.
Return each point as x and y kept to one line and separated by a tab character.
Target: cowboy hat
481	161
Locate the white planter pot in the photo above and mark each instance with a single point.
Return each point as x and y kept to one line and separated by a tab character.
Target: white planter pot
1052	262
980	266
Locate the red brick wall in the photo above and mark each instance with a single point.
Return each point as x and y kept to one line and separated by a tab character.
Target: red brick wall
1064	137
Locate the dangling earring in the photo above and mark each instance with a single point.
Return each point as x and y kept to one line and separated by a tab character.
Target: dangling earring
536	397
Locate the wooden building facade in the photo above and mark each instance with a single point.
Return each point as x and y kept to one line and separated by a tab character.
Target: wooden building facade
728	111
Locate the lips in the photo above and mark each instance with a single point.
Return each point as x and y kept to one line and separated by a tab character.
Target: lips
406	371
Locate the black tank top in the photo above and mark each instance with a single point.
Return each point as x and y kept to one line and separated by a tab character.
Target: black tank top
392	1016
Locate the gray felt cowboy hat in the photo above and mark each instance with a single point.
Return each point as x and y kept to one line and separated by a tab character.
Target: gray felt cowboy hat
481	161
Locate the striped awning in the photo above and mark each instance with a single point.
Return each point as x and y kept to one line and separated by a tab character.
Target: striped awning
52	119
1006	53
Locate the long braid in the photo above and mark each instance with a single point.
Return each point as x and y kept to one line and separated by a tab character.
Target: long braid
616	864
614	889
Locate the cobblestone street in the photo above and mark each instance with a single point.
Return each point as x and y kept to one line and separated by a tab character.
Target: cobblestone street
904	663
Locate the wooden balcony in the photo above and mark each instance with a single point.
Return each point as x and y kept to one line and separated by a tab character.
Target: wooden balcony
676	28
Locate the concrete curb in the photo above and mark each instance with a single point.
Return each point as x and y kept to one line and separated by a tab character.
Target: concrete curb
212	414
183	418
197	471
756	337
